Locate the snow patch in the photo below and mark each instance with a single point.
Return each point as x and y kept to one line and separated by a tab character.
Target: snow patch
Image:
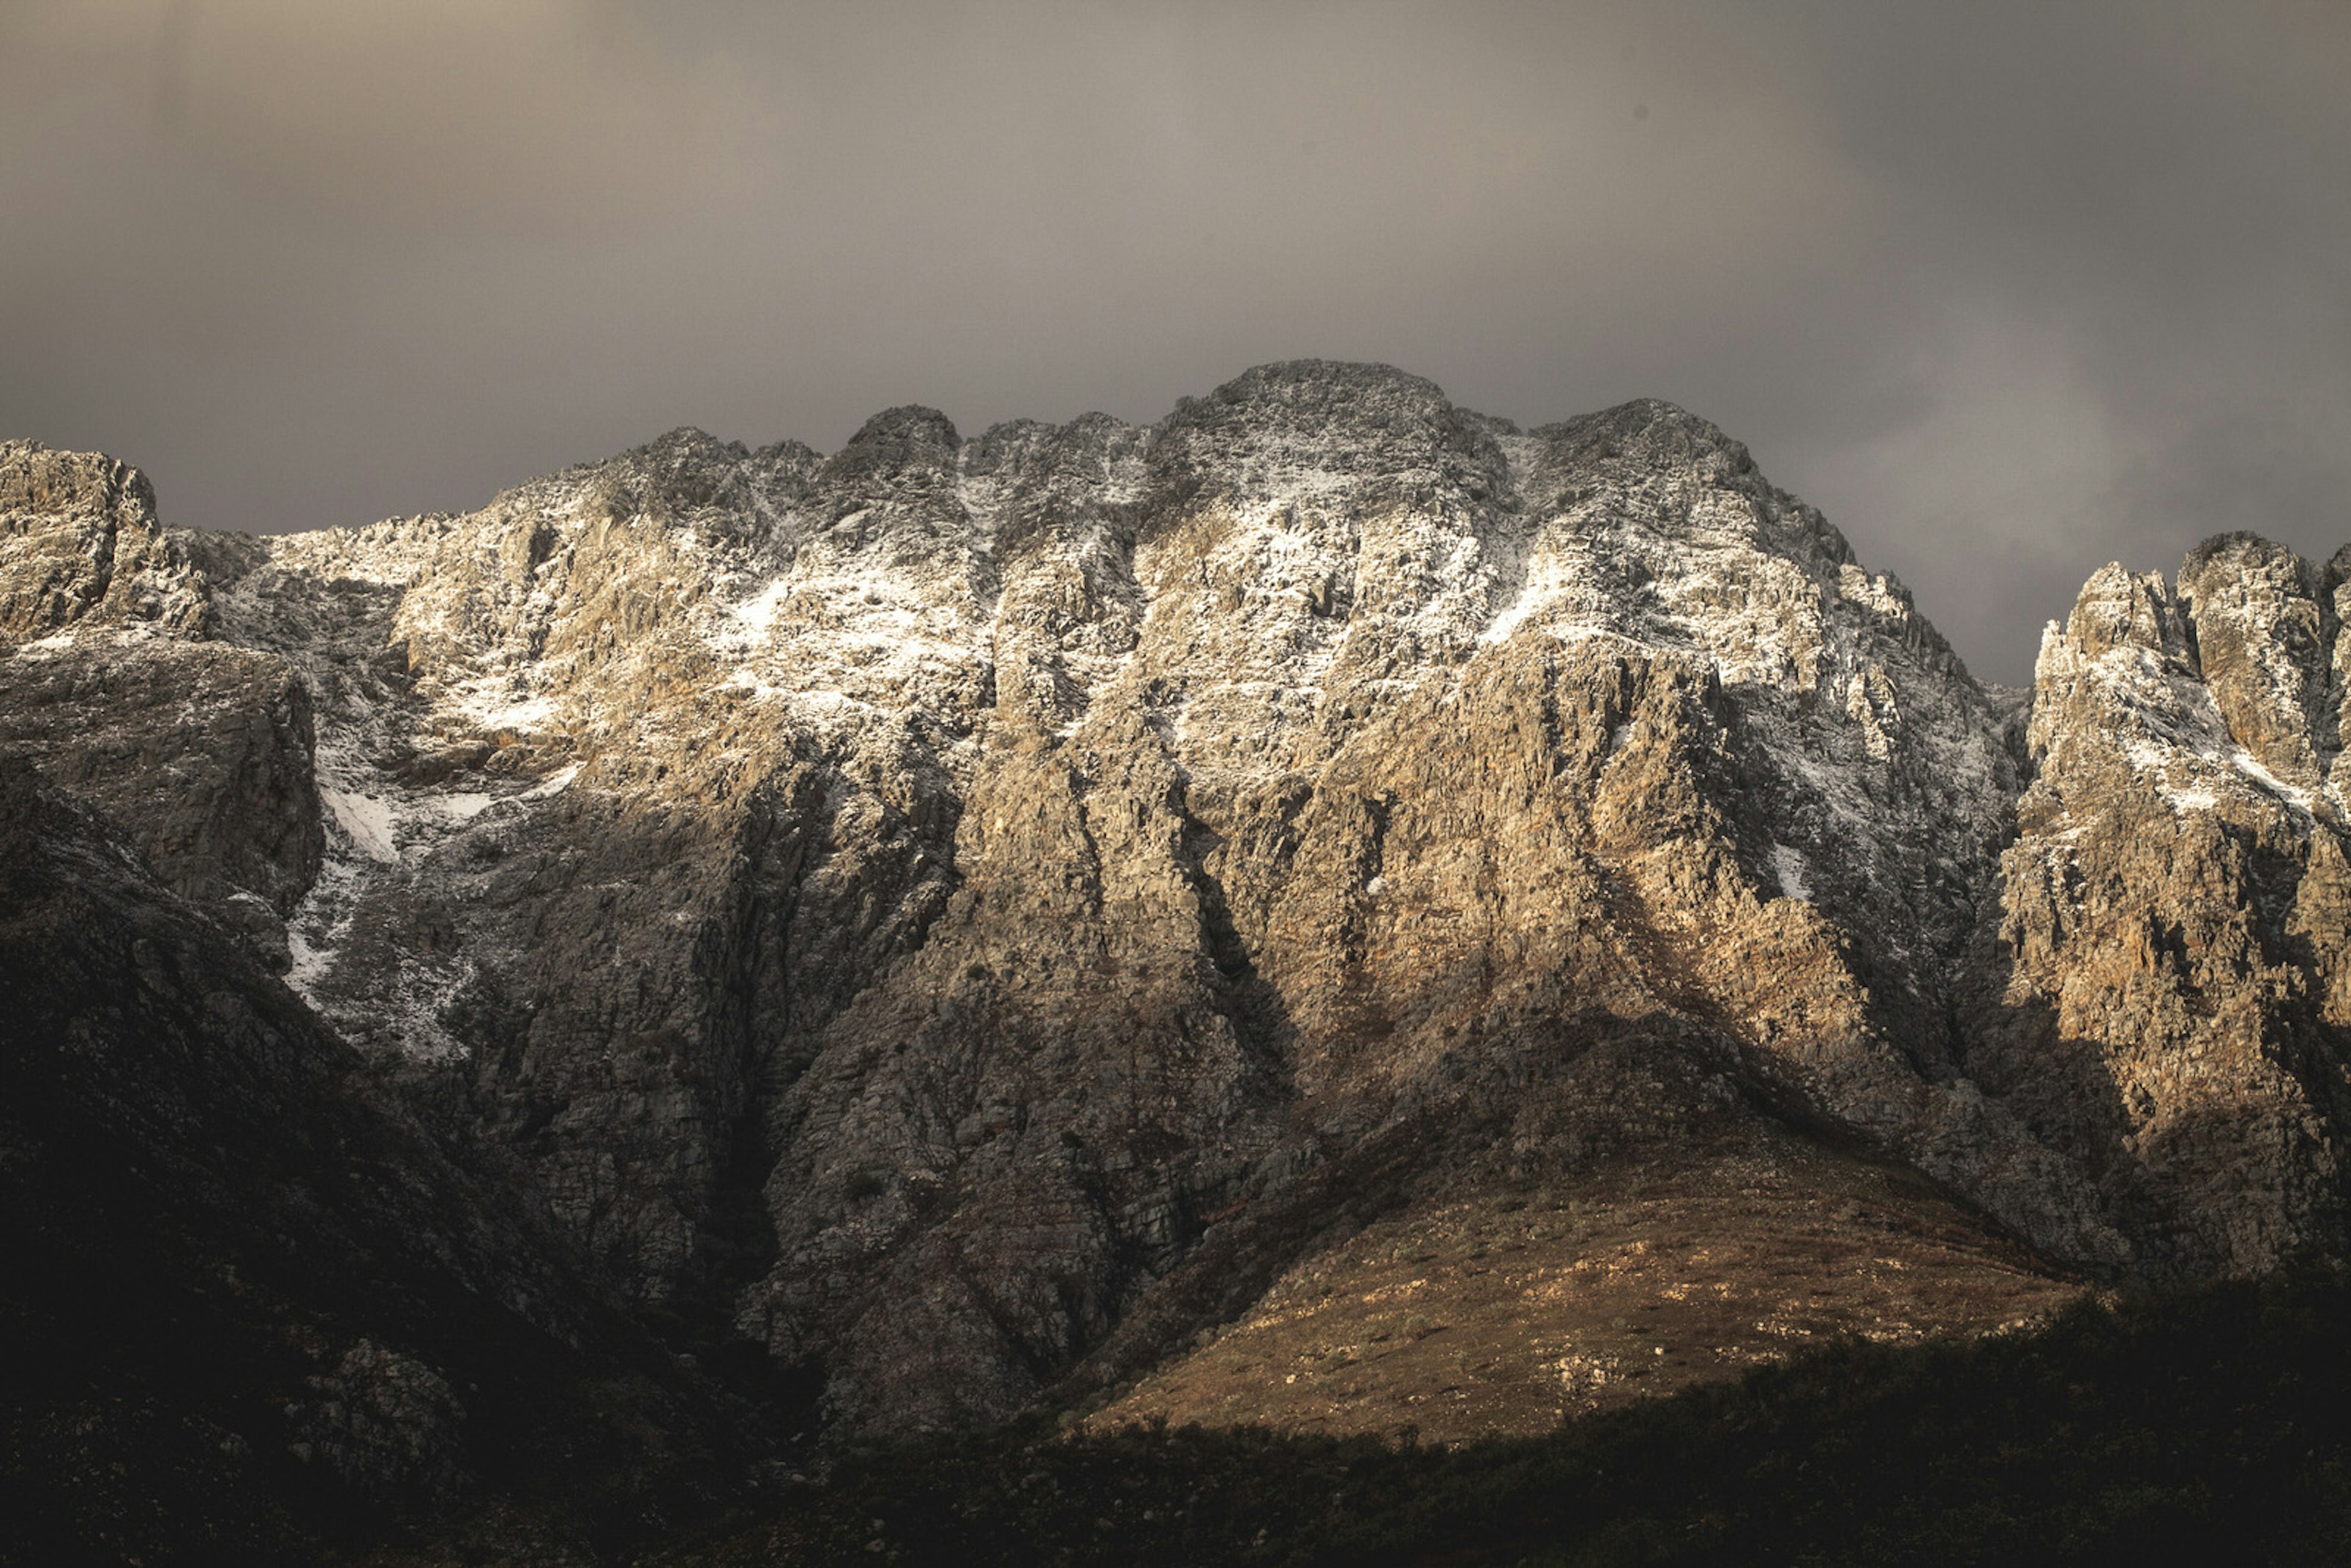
464	806
1532	594
526	713
2183	751
756	617
1790	866
2244	763
552	786
366	820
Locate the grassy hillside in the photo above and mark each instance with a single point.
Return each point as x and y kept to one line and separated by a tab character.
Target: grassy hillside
2211	1425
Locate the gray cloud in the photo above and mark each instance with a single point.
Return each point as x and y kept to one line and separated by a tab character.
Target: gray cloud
2007	291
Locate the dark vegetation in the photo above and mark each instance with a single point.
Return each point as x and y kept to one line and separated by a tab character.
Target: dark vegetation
2210	1426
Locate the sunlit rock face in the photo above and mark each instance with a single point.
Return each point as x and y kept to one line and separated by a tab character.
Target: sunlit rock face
79	544
925	900
2173	985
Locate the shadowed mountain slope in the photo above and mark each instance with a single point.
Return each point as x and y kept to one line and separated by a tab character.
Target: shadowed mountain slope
251	1306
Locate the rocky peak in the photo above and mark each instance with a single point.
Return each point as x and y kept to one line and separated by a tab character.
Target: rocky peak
78	539
898	443
1310	424
2176	907
2119	609
203	751
2265	636
1650	433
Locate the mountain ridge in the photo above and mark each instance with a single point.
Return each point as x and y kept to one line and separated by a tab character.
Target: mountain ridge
915	904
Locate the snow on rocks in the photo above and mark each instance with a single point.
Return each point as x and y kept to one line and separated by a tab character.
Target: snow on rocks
1788	865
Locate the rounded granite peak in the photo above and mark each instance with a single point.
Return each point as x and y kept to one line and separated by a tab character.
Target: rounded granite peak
909	440
1033	452
1650	429
686	459
1320	383
687	442
1287	423
911	424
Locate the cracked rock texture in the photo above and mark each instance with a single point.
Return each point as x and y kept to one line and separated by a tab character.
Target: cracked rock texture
927	903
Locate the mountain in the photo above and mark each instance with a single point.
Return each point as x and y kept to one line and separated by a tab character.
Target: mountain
1330	911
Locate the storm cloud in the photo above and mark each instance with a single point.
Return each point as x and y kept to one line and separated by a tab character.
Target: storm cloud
2007	291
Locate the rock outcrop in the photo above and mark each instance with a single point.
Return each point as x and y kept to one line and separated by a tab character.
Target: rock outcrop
2175	934
204	749
79	542
975	913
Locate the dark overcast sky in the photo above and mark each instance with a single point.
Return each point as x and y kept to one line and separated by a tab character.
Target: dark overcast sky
2008	291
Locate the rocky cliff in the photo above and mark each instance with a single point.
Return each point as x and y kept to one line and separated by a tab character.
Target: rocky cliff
991	918
2165	994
